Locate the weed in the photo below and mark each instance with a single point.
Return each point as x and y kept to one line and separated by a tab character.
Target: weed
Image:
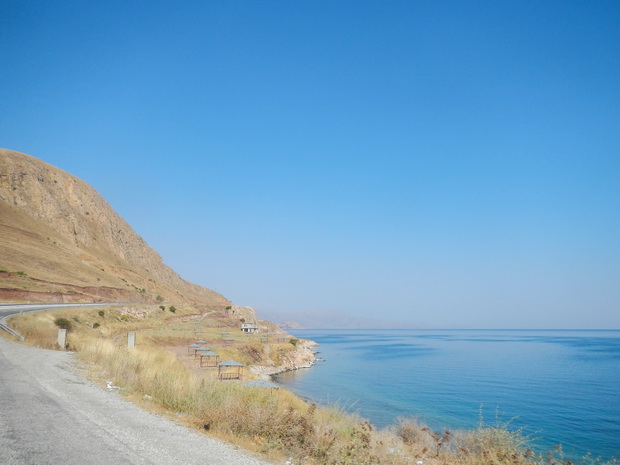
412	433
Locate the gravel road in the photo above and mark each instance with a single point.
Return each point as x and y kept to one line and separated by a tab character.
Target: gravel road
49	414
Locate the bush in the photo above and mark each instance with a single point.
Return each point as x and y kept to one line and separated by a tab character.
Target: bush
96	325
172	309
293	341
101	313
411	432
159	298
163	308
63	323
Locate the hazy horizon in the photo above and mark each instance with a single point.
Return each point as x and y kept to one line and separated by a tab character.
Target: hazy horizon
433	164
348	322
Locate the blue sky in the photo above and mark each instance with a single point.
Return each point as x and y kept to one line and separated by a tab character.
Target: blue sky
431	164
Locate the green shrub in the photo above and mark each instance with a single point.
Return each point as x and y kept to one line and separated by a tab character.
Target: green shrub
173	309
63	323
293	341
96	325
101	313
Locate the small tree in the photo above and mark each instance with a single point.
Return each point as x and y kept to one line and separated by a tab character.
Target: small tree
172	309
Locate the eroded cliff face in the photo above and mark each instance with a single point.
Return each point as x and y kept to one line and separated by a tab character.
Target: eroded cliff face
79	239
247	314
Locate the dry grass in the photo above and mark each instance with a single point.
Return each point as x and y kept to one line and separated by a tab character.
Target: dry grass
276	423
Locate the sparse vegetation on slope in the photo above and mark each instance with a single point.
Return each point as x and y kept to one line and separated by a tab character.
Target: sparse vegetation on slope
60	241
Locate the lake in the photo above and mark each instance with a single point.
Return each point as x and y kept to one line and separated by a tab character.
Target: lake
562	386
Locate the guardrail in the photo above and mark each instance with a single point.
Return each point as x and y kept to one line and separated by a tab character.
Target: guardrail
7	328
24	308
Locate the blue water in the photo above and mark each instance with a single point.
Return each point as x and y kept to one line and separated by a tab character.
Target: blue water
562	386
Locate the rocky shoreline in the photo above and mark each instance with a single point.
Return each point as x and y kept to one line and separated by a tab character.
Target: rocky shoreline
302	357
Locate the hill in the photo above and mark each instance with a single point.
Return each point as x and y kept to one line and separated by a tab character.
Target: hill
60	241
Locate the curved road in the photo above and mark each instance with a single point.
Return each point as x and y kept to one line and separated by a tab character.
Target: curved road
49	414
8	310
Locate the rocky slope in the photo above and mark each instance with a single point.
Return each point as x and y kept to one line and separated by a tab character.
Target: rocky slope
302	357
61	241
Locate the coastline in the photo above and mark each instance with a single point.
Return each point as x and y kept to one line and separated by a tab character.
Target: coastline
302	357
282	420
361	361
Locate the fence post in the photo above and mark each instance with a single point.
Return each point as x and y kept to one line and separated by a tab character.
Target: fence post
131	340
62	338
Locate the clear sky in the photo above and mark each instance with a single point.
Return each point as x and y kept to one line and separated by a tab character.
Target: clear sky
451	164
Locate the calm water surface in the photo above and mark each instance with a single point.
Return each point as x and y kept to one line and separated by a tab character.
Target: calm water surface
563	386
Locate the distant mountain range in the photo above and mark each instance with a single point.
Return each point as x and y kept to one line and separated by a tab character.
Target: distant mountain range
290	325
60	241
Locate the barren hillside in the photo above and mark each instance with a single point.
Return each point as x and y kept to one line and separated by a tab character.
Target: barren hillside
61	241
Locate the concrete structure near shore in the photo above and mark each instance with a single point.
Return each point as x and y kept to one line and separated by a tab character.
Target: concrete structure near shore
249	328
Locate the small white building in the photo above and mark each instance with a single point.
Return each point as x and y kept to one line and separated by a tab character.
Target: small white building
249	328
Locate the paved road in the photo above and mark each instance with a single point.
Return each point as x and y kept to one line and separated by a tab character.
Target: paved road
8	310
51	415
12	309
